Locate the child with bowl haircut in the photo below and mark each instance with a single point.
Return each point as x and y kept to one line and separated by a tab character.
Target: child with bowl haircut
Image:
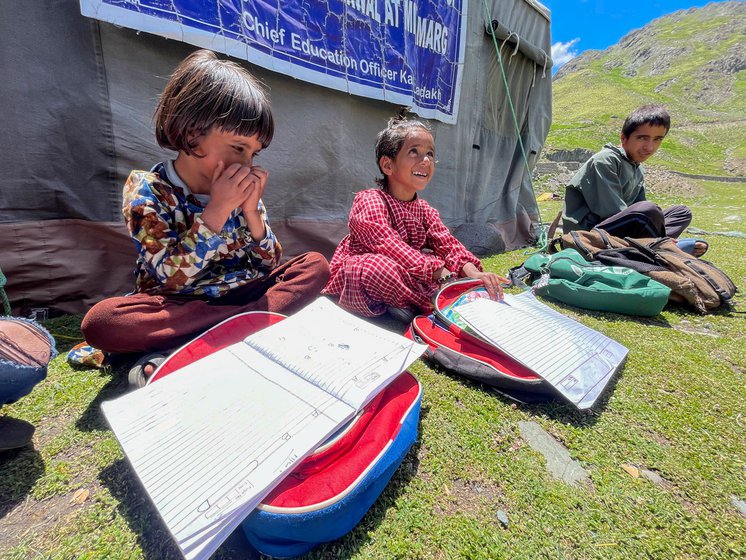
205	249
398	250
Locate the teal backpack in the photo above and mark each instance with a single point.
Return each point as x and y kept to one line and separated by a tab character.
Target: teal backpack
568	278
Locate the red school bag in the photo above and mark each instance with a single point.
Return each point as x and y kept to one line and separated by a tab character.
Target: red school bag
330	491
458	351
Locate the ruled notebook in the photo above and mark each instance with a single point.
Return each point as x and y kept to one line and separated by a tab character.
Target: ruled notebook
210	440
576	360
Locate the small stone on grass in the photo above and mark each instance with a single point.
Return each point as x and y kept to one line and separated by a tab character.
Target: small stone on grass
740	505
502	517
559	463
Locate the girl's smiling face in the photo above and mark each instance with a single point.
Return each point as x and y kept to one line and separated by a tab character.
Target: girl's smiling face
413	167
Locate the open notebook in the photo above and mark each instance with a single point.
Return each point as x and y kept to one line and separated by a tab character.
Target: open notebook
576	360
210	440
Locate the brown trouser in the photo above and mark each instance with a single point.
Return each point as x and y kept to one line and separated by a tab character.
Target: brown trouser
145	323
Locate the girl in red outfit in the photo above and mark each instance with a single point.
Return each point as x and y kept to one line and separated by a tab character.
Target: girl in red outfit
398	249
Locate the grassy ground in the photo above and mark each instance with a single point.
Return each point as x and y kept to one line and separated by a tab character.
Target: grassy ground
676	409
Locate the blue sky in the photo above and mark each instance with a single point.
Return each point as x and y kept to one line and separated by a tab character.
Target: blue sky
579	25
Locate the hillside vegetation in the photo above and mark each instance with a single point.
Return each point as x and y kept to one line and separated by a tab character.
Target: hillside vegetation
693	61
662	451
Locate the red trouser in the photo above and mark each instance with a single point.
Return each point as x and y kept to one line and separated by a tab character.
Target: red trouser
145	323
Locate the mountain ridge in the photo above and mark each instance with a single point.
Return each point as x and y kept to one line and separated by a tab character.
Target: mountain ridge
693	61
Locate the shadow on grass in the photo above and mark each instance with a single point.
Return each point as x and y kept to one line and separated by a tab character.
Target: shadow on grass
139	513
656	321
143	519
19	471
92	419
65	330
540	404
681	310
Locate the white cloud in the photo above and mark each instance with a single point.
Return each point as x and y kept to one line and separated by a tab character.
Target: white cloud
562	53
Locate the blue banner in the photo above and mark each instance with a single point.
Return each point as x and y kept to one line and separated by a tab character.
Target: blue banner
406	52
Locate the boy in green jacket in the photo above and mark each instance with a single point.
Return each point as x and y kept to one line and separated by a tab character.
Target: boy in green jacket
608	191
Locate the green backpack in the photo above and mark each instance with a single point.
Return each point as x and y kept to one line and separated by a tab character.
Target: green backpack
568	278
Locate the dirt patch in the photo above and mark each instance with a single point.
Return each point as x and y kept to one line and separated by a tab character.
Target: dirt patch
422	453
662	183
49	428
554	183
22	516
734	165
734	366
659	439
701	329
469	497
32	517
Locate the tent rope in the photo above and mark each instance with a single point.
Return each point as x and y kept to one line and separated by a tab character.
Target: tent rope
517	44
542	243
533	77
544	70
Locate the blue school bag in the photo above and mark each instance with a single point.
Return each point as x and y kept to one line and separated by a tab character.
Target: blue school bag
330	491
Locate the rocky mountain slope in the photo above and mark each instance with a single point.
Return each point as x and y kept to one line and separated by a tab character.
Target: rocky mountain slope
693	61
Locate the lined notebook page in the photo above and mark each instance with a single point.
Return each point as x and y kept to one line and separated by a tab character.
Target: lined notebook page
209	442
577	360
333	349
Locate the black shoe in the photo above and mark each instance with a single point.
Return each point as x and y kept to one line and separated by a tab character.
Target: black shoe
401	314
14	433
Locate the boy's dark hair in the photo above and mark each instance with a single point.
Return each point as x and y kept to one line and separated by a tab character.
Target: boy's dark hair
205	92
390	140
655	115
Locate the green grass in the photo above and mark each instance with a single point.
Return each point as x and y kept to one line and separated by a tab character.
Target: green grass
677	408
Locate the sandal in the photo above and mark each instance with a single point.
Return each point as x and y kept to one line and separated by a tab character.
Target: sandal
688	245
137	376
85	355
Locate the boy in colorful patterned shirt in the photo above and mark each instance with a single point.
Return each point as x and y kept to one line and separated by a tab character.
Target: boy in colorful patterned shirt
205	248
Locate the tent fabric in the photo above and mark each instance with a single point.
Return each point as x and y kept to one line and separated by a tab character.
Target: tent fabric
83	94
505	35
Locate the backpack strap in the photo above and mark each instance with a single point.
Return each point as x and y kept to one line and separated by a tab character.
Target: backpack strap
725	297
555	245
517	276
631	257
587	253
604	237
647	250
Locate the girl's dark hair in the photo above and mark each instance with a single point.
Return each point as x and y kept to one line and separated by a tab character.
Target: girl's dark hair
654	115
390	140
205	92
